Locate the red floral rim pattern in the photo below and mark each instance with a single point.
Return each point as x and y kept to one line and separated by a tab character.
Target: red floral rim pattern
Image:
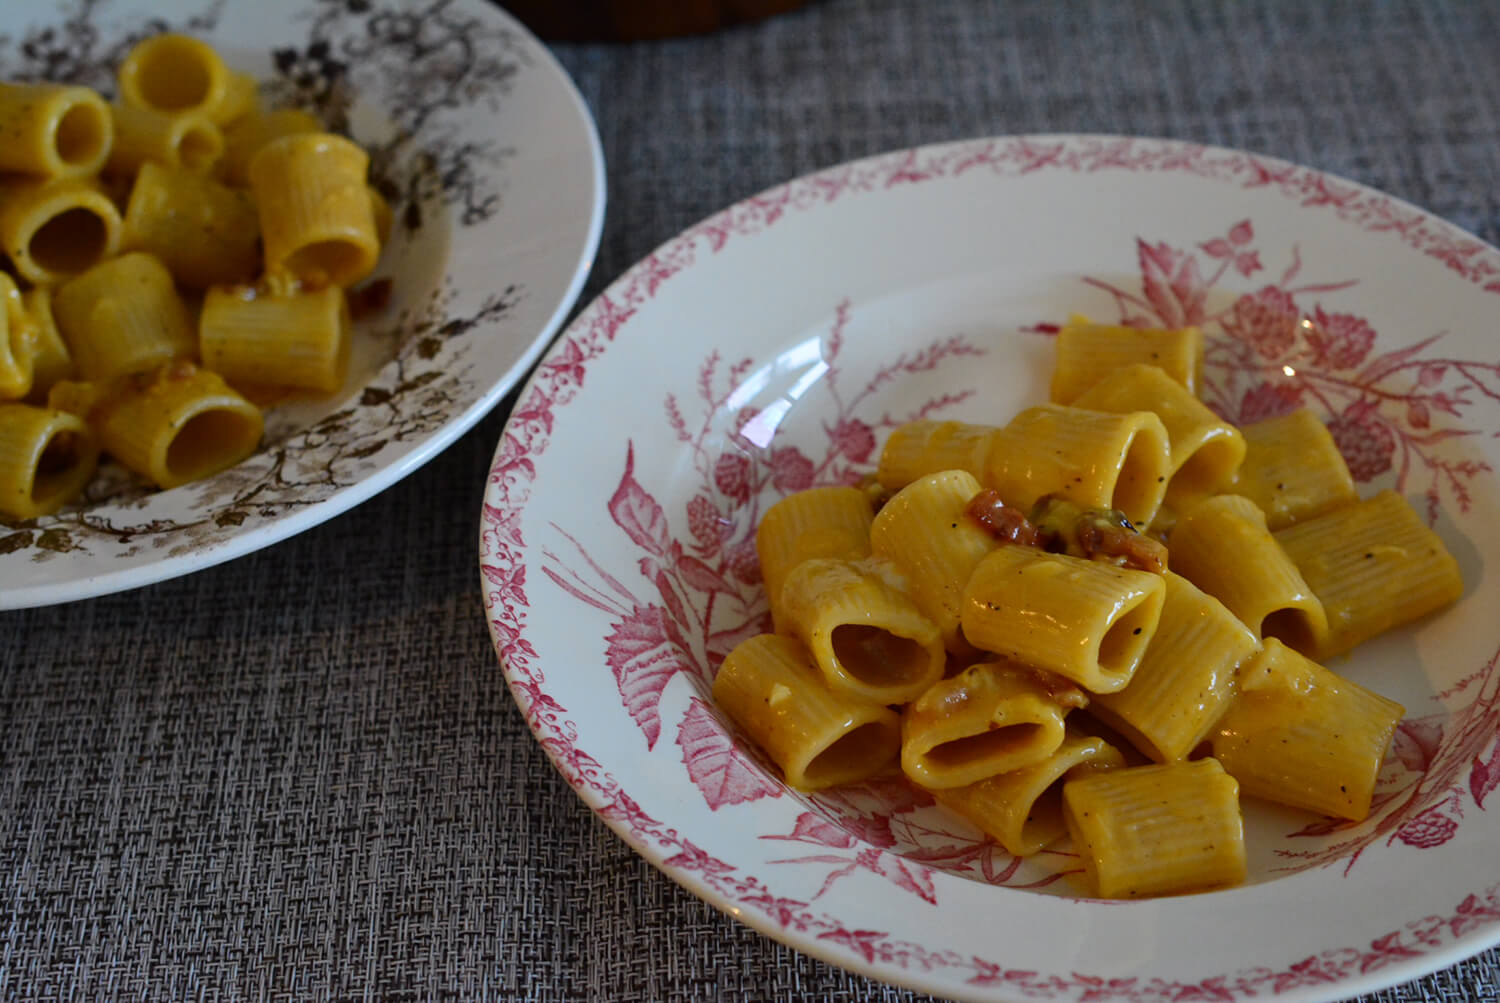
503	549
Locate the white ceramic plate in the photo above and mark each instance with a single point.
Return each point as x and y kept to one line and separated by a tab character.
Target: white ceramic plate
773	345
493	167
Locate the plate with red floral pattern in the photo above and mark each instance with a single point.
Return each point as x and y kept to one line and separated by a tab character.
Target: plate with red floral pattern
773	346
490	161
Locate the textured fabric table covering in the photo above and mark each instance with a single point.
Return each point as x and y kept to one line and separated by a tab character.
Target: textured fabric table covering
300	774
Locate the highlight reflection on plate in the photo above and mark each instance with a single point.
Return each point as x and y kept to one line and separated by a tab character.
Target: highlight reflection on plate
499	204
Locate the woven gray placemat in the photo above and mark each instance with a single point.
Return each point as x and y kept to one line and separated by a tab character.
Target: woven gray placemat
300	775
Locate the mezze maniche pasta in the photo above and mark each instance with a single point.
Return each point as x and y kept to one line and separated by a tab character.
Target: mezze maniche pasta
1113	643
164	257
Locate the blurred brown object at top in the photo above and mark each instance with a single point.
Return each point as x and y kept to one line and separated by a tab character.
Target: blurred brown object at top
633	20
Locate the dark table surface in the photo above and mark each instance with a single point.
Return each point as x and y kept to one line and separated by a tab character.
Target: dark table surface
300	774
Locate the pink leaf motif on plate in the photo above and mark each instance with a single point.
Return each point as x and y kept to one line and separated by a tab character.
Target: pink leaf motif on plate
1385	950
854	439
744	563
1484	776
810	828
1269	400
508	584
1416	742
705	523
790	470
785	911
902	873
866	942
637	513
724	774
1241	233
1339	340
700	576
732	476
694	858
644	659
722	642
1171	283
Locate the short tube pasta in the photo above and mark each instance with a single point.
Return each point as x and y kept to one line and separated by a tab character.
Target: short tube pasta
205	233
53	130
1205	450
46	457
820	522
296	340
316	220
1374	565
17	342
181	140
990	718
176	423
1093	458
919	448
869	640
1222	546
175	74
1293	469
1087	353
925	533
50	361
243	140
1300	735
1157	830
769	686
1084	620
52	230
1185	680
124	316
1022	810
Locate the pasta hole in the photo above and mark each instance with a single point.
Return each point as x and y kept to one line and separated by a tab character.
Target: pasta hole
1291	627
79	138
328	261
172	76
1123	644
878	657
206	440
198	148
852	754
994	744
69	242
1139	488
57	467
1204	471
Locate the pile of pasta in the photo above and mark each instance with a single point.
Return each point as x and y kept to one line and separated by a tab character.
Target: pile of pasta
166	257
1106	618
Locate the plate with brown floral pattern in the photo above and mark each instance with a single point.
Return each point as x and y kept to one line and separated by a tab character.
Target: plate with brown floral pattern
491	163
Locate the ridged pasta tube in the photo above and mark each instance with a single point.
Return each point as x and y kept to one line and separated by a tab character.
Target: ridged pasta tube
1086	353
243	140
206	233
53	230
1185	680
18	340
819	522
1222	546
770	687
990	718
1087	621
1293	469
46	458
1374	566
1206	451
869	640
174	424
1022	810
1092	458
123	316
297	340
53	130
1157	830
924	532
177	73
1300	735
316	220
186	141
919	448
50	361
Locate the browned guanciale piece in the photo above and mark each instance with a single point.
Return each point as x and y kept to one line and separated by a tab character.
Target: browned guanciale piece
1109	536
1064	692
1009	525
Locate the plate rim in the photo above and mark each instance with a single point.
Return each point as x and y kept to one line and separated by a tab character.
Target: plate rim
283	527
1455	949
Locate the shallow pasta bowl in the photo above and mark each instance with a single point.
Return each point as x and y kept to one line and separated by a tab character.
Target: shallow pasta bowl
772	346
494	170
